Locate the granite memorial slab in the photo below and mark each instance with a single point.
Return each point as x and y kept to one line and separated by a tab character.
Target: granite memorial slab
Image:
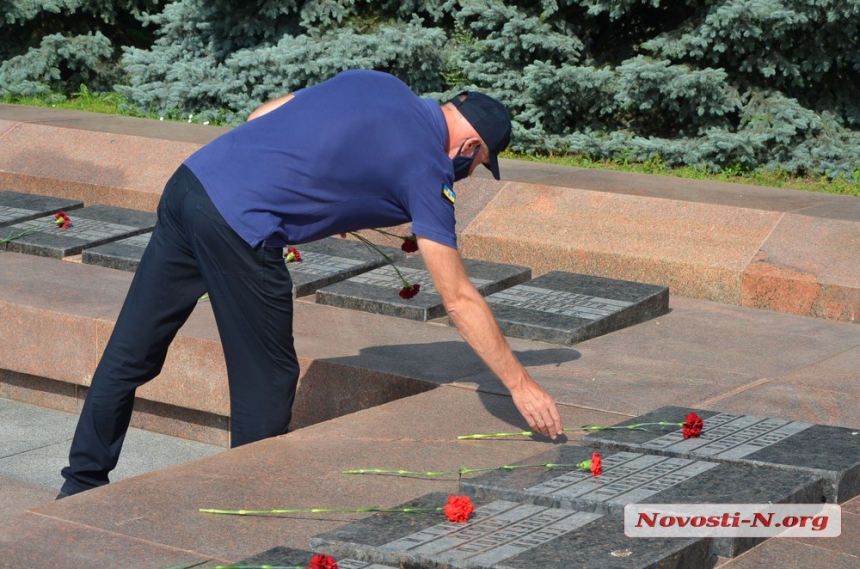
290	557
16	207
90	226
378	290
332	260
632	477
566	308
506	535
124	254
833	453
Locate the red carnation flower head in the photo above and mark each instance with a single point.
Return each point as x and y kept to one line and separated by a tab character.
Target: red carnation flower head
62	220
293	255
693	426
410	244
322	561
458	509
596	464
409	291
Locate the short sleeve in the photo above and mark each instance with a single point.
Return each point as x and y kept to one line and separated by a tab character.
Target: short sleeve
431	201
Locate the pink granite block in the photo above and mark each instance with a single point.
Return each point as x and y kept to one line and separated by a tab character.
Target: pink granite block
31	540
852	506
807	266
847	543
181	422
781	399
838	374
698	250
40	391
732	339
303	470
16	496
94	167
789	554
80	120
47	343
329	390
612	381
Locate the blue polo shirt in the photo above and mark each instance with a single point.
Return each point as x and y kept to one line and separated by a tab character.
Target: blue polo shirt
358	151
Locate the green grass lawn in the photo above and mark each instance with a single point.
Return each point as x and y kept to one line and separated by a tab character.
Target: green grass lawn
113	103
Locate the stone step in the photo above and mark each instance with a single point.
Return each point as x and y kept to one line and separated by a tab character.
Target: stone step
768	248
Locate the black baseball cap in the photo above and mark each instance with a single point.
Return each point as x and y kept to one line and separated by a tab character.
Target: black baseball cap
490	120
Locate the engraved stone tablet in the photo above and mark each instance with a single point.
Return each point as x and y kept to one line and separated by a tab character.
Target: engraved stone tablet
565	308
91	226
504	535
289	557
332	260
830	452
124	254
16	207
377	291
630	477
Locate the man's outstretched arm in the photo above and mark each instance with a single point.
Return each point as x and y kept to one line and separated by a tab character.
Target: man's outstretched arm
476	323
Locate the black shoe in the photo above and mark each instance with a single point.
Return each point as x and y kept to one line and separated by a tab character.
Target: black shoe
60	496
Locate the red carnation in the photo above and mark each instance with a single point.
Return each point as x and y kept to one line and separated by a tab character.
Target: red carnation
62	220
596	464
322	561
693	426
293	255
410	291
410	244
458	509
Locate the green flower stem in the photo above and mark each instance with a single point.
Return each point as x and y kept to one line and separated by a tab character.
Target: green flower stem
461	471
319	511
371	245
22	234
390	234
566	430
258	567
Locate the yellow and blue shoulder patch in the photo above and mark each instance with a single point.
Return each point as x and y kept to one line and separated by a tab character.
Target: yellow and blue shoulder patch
448	193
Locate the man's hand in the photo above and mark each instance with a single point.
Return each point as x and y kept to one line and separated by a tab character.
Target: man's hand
538	408
476	323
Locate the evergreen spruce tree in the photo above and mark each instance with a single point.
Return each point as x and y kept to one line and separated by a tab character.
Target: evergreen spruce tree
55	46
712	83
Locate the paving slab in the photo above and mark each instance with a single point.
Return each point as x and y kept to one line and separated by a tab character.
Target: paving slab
504	534
832	453
16	207
377	291
332	260
789	554
303	470
630	477
33	540
123	254
90	226
566	308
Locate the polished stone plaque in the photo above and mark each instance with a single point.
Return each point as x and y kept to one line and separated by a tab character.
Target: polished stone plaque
506	534
826	451
90	226
16	207
566	308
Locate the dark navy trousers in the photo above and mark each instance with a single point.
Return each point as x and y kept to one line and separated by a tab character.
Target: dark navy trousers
193	251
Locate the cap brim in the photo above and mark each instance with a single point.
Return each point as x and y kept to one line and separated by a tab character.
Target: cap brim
493	166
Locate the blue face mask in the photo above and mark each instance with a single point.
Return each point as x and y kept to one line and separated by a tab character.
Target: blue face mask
462	164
